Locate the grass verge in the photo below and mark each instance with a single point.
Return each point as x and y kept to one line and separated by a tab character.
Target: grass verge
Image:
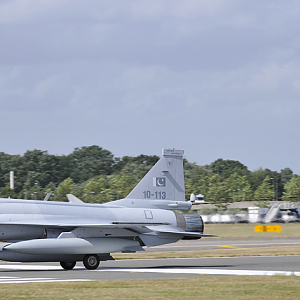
222	252
216	288
237	231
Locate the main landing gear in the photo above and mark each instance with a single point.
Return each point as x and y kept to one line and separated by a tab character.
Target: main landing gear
68	265
90	261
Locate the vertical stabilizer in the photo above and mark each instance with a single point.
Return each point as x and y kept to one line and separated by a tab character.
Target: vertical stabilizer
163	185
164	181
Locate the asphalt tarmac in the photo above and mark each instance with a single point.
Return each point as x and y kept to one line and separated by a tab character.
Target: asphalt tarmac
165	268
215	243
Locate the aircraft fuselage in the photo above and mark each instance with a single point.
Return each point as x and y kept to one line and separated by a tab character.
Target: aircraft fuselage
49	219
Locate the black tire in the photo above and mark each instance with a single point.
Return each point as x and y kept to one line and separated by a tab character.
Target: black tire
91	261
68	265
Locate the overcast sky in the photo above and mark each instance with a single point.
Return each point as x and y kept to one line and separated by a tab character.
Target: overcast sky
219	79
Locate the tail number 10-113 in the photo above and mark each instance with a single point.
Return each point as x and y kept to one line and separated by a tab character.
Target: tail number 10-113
155	195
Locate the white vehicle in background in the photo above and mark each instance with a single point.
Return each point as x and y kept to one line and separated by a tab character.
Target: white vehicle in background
197	198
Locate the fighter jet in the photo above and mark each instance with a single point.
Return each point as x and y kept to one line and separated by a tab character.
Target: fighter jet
67	232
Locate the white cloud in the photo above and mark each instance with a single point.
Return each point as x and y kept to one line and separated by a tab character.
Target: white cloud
218	73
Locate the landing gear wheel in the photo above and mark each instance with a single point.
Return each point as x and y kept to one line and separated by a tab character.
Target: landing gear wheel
91	261
68	265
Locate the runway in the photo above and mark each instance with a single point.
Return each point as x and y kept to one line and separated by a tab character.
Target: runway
215	243
164	268
152	269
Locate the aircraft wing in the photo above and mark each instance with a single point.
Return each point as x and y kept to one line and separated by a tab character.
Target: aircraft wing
53	224
177	231
162	228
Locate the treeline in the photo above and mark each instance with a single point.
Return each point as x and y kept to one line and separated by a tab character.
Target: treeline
94	175
227	181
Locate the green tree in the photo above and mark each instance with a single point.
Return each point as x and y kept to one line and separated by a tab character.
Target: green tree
95	189
225	168
37	173
286	175
64	188
36	167
6	192
88	162
215	191
108	188
239	187
121	185
194	176
264	192
257	177
136	168
205	183
292	189
146	162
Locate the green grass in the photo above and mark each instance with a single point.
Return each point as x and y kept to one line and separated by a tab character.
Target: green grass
220	252
216	288
247	230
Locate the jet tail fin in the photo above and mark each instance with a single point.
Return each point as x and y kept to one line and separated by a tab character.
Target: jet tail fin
163	185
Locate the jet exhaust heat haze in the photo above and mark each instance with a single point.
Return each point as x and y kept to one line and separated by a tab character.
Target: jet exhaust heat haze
67	232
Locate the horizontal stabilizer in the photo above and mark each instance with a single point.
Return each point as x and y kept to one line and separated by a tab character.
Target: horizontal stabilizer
178	231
